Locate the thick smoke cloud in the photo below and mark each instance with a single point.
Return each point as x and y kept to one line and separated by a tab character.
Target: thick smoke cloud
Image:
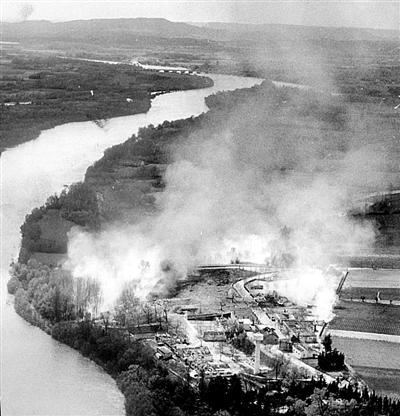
256	190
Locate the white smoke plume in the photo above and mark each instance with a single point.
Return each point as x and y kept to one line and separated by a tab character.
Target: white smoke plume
248	191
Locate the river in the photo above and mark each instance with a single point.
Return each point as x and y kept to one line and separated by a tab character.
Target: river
40	376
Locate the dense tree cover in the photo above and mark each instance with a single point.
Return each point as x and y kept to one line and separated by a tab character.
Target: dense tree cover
299	398
13	285
150	145
317	131
148	387
330	359
238	338
51	294
43	293
156	144
327	343
77	204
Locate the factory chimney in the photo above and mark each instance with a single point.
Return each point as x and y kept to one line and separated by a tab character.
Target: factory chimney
257	339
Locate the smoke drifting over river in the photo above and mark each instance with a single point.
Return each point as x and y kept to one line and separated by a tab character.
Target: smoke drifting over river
264	187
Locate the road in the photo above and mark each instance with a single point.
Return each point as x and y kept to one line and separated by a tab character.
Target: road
365	335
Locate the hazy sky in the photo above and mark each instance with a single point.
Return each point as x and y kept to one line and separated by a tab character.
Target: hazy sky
377	14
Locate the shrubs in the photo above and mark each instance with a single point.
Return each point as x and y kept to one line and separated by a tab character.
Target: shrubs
331	360
146	384
77	204
13	285
42	293
239	340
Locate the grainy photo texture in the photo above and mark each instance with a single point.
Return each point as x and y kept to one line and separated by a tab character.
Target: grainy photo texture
200	208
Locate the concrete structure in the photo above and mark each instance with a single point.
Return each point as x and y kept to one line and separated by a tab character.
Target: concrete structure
270	337
164	352
214	336
245	323
285	345
257	339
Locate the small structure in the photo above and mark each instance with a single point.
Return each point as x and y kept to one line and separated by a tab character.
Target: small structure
243	313
245	323
208	316
304	351
285	345
257	339
214	336
231	294
257	287
164	352
188	309
270	337
300	351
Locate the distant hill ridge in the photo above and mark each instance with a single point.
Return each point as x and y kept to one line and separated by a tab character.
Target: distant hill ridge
164	28
338	33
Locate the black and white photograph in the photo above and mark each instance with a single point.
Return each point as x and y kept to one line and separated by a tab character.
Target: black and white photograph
200	207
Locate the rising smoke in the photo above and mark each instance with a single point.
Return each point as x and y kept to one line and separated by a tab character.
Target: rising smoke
257	189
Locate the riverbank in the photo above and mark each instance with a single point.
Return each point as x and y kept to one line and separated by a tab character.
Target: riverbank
38	169
39	93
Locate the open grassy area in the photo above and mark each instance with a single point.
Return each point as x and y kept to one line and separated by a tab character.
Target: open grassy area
377	362
367	317
369	353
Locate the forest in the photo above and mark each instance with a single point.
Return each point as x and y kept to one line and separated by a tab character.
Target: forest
75	206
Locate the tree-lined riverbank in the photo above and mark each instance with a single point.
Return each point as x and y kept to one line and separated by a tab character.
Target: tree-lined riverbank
38	169
40	92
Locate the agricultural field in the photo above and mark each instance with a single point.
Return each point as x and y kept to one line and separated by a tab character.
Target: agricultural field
369	353
367	317
370	293
369	278
377	362
382	380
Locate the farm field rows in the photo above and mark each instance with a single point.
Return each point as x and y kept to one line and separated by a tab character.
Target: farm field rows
382	380
367	317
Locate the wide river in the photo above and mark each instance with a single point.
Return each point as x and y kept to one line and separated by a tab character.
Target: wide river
40	376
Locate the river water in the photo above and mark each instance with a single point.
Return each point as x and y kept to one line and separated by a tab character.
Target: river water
40	376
